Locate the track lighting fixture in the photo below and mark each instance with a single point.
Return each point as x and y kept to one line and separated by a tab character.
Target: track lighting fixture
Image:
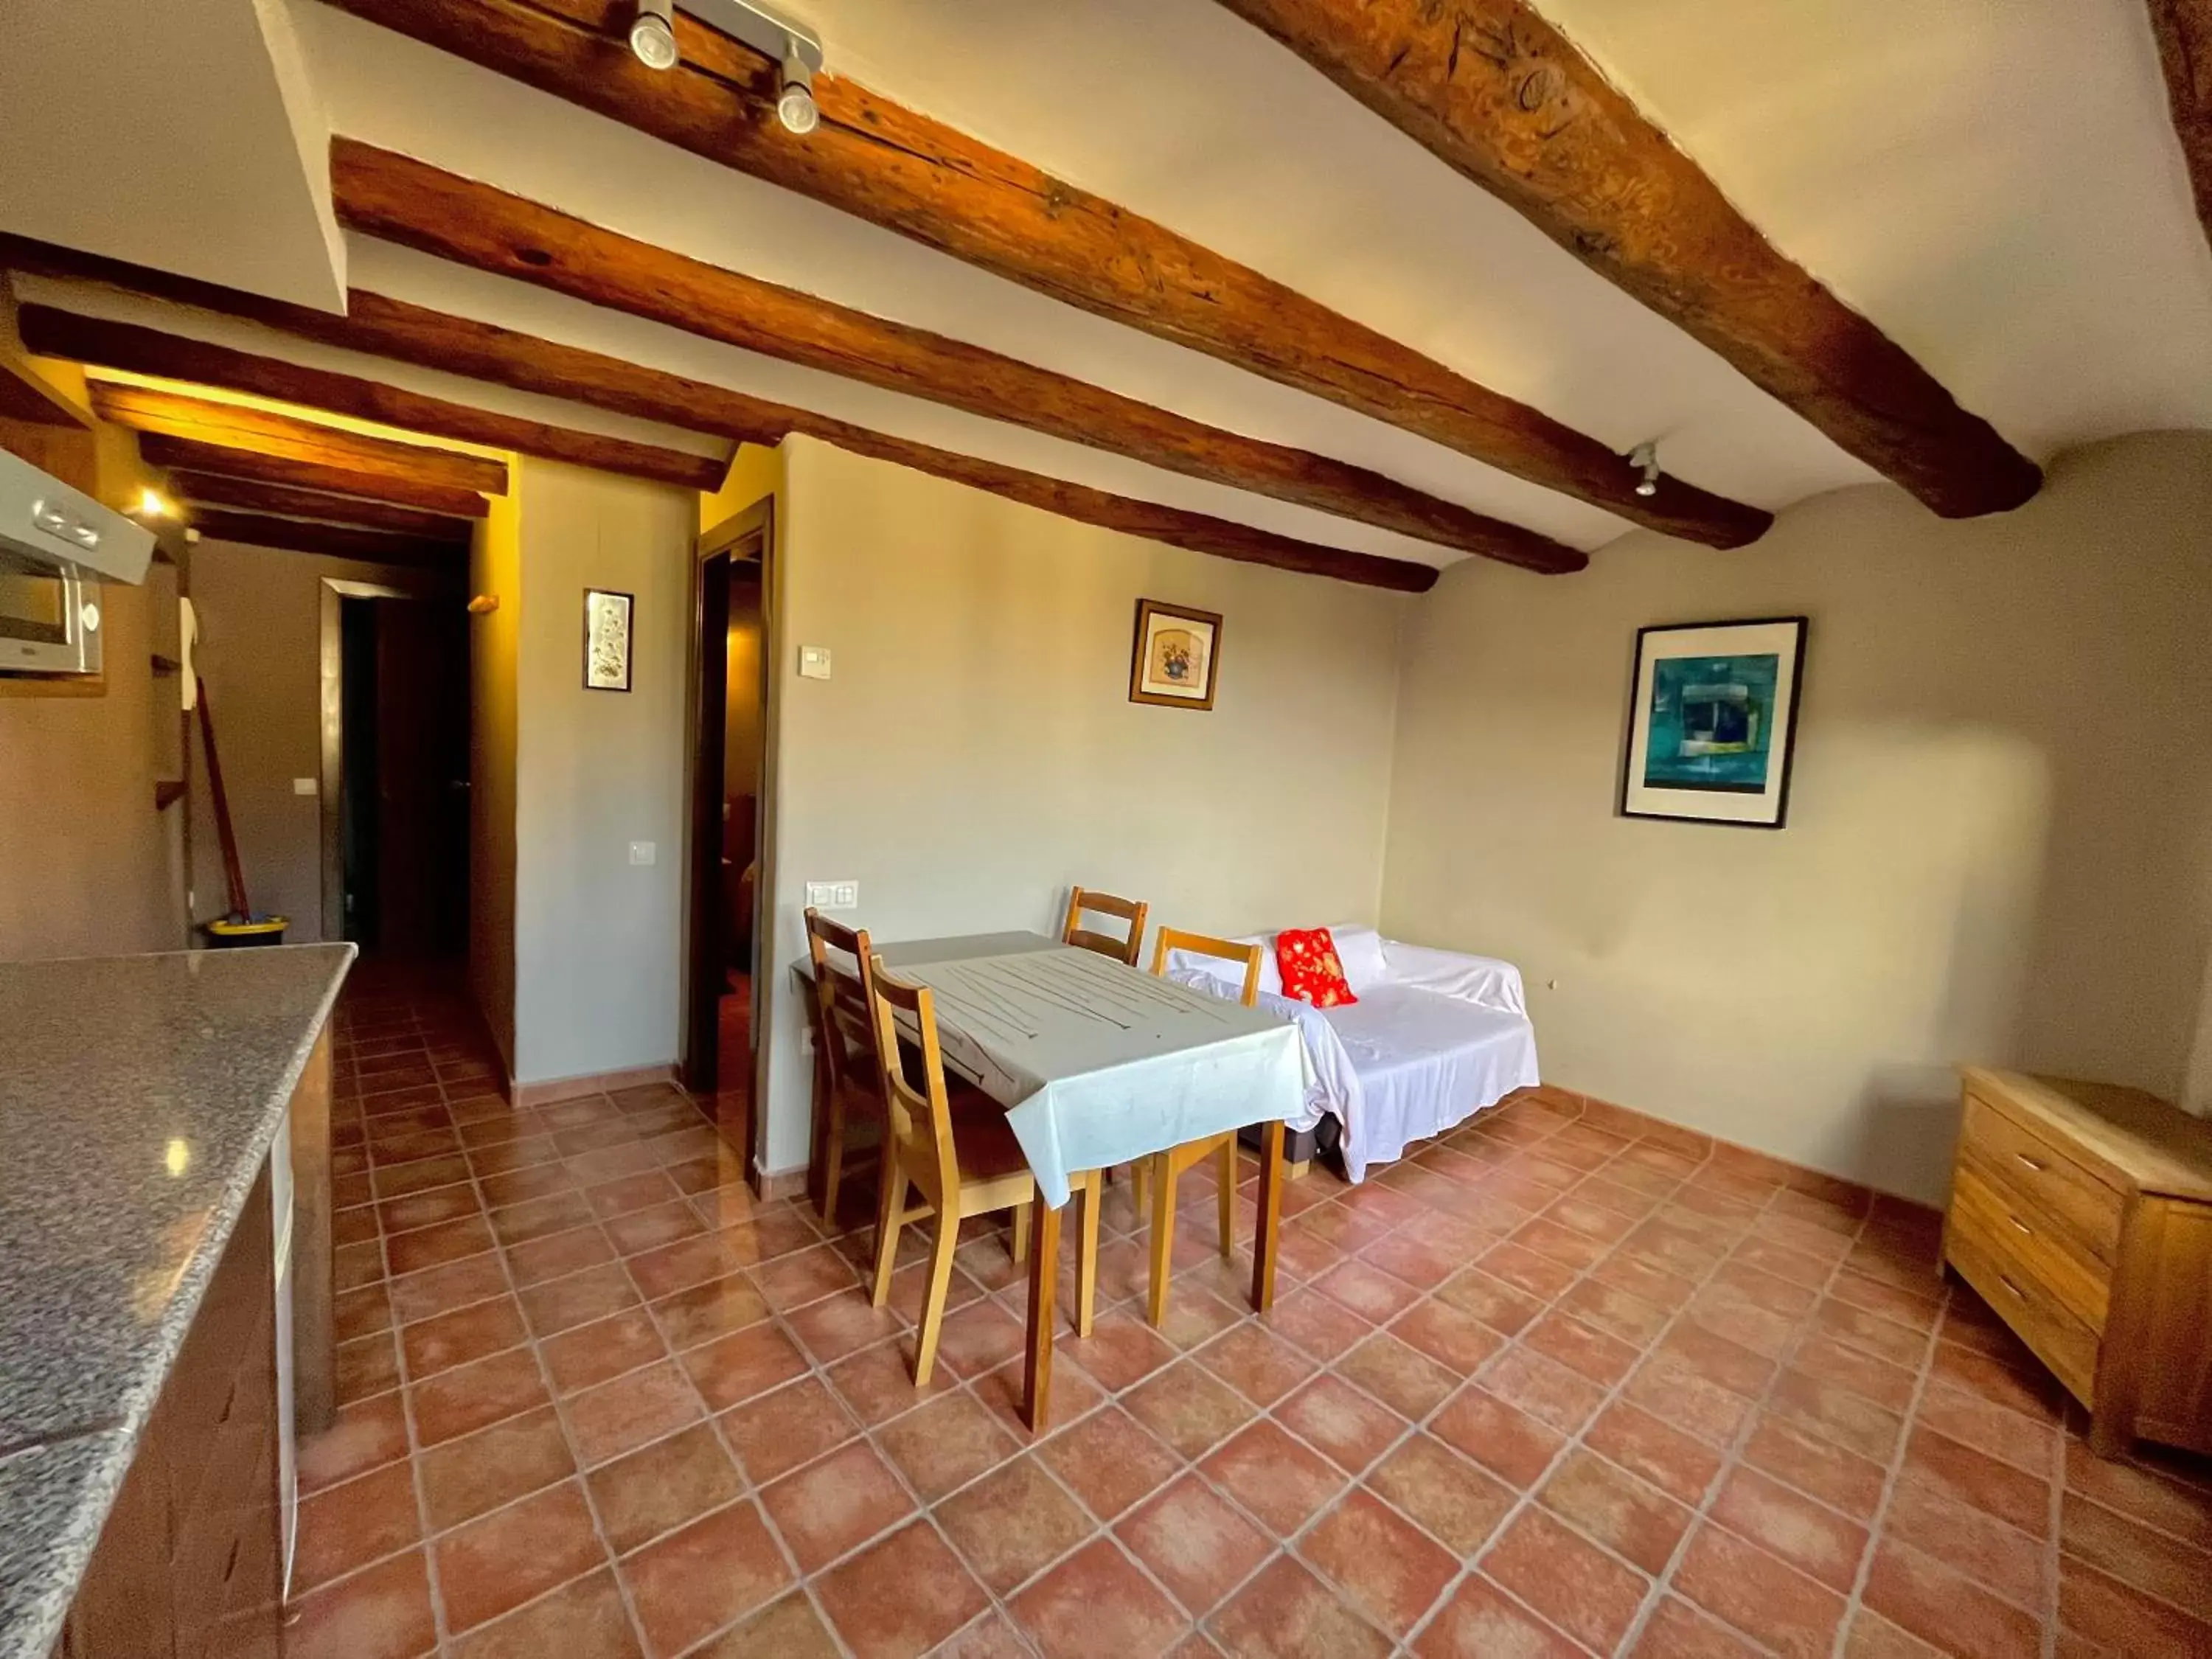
1644	458
795	107
652	33
797	53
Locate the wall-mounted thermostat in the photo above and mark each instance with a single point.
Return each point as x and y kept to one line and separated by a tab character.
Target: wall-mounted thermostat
814	662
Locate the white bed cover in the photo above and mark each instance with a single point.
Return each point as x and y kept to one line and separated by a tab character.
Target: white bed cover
1435	1037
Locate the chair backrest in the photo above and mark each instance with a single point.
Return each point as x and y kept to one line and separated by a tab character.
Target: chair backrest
1124	950
844	1023
920	1117
1202	945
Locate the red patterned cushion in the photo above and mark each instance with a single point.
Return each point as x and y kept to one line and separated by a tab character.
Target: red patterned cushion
1311	972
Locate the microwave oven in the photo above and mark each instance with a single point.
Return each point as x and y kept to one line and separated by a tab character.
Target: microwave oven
56	545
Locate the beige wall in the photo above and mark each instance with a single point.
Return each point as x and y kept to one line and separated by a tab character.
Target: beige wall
2000	836
599	939
975	751
260	657
494	652
86	863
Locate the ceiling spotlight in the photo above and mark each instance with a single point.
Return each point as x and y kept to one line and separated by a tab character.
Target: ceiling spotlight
795	107
152	505
1644	458
652	34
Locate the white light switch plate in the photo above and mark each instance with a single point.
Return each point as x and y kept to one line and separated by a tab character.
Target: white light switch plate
643	852
304	787
814	662
833	895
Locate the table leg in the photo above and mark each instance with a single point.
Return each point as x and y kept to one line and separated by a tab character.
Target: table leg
1045	1284
1271	1217
1089	1189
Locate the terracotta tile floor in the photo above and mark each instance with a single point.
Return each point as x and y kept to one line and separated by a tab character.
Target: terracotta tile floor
1571	1381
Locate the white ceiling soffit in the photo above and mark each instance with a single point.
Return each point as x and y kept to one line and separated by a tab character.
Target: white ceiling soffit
185	136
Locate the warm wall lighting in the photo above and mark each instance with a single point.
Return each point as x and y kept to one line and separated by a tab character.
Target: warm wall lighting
177	1158
152	504
484	605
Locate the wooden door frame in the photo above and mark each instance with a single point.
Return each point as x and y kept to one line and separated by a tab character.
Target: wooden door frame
748	536
334	590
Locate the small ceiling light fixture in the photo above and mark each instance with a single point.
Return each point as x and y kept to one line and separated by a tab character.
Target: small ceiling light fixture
1644	458
652	34
797	53
152	505
794	107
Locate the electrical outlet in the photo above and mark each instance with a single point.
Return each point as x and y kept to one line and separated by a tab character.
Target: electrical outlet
643	852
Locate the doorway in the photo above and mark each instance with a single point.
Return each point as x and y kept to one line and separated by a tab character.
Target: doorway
729	914
395	771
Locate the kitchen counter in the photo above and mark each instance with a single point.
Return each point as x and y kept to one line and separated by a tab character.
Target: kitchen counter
140	1097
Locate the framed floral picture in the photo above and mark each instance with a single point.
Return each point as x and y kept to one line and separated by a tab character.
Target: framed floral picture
606	639
1712	723
1176	657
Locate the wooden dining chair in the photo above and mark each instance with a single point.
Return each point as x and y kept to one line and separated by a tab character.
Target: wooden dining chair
1157	1175
1132	911
961	1165
845	1037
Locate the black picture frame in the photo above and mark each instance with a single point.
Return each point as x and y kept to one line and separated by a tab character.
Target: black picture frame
1646	801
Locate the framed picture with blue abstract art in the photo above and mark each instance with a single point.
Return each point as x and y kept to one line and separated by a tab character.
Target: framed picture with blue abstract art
1713	721
1176	656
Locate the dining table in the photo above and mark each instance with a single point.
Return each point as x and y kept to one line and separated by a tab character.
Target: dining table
1098	1064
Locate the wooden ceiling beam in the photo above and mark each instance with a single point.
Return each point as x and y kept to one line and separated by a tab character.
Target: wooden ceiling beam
234	426
872	158
338	541
252	495
2184	29
212	454
486	351
56	333
1494	91
405	201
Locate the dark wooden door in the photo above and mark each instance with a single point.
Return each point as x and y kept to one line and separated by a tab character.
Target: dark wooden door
422	774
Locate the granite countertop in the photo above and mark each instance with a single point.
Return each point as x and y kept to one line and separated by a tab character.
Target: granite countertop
138	1099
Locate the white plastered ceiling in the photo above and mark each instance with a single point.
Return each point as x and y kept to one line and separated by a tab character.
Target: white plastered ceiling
1994	182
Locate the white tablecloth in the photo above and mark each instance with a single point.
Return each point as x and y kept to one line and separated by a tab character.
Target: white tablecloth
1098	1064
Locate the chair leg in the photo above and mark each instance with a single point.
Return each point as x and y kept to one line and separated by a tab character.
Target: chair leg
1086	1253
1140	1186
1164	1185
940	1281
889	1212
834	1154
1226	1199
1023	1215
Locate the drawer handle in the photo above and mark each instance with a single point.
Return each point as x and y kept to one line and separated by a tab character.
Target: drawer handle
2026	1230
2034	1164
2014	1288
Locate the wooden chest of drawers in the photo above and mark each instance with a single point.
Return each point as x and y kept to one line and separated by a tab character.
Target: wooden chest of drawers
2082	1213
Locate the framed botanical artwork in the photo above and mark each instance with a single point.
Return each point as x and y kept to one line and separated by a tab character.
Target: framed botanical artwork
606	639
1713	721
1176	656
